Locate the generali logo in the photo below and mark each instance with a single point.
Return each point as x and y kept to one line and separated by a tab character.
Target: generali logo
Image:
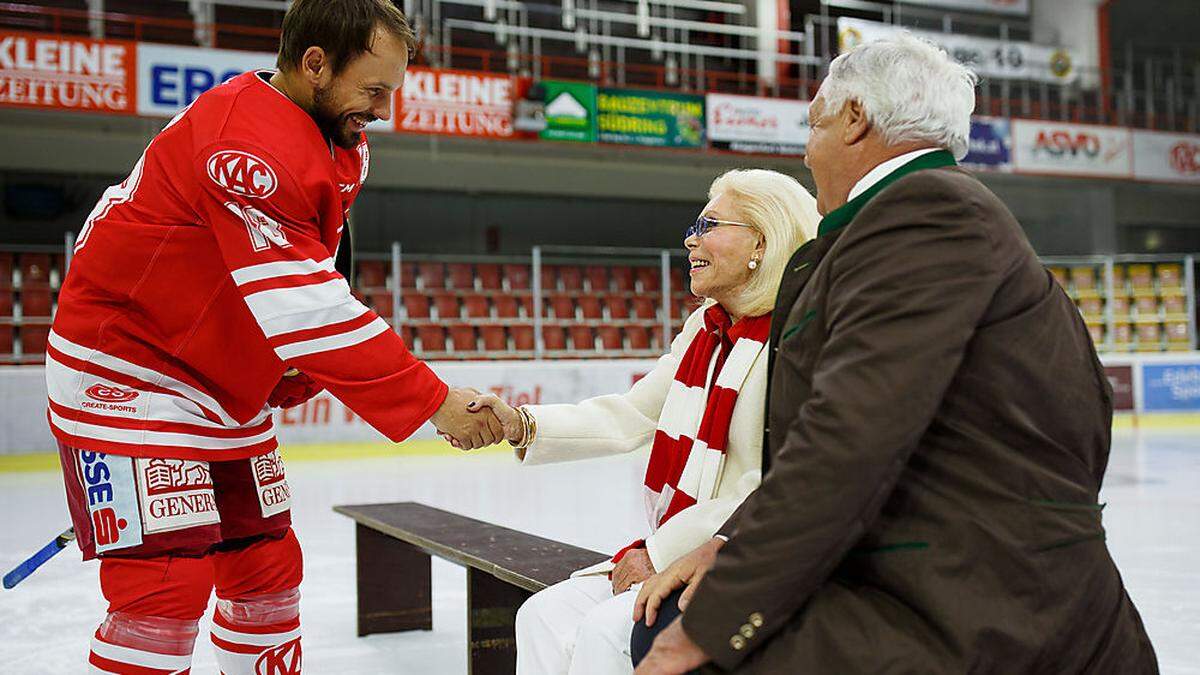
242	173
107	394
1185	158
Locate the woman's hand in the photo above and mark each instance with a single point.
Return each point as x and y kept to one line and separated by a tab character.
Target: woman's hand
633	568
510	419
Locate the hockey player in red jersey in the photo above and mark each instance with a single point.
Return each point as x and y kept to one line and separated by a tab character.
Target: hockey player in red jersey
207	287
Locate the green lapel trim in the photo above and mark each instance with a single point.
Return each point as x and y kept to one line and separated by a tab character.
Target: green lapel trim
808	316
841	216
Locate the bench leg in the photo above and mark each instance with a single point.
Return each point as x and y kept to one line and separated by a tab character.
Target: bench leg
491	623
394	585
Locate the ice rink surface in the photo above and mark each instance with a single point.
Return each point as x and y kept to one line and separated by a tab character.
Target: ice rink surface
1153	522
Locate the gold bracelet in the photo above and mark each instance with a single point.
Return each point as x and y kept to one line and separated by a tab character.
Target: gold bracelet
528	427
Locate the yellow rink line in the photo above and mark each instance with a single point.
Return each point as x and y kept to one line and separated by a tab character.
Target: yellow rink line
332	452
324	452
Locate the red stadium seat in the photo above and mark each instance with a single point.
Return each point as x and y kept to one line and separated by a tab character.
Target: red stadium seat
610	339
6	341
645	308
554	338
550	277
33	339
35	300
517	276
382	304
597	278
494	339
477	306
463	338
406	334
6	303
433	338
649	278
564	308
461	276
432	274
638	337
447	306
589	305
623	278
522	336
489	276
408	275
525	302
582	339
372	274
506	306
618	307
35	268
571	277
679	282
416	306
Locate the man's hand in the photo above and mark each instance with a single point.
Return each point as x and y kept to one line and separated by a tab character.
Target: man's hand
673	653
468	430
688	570
634	568
293	389
514	430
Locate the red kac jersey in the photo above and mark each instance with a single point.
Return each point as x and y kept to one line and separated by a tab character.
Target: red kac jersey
206	274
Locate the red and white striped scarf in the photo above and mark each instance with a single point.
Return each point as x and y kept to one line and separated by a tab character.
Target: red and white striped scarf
688	454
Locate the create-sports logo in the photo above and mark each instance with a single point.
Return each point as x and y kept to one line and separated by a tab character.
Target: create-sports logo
242	173
108	394
1185	158
97	476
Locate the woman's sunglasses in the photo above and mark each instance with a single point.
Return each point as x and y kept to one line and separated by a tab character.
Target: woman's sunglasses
704	224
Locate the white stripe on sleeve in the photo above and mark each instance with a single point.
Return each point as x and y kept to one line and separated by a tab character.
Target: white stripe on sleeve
339	341
282	268
276	302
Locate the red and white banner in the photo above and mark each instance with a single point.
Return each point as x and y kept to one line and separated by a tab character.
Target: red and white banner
1159	156
1071	149
67	73
755	124
456	103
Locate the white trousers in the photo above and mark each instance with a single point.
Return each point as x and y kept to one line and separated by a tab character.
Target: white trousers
576	627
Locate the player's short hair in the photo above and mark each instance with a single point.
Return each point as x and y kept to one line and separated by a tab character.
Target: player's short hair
910	88
343	28
779	208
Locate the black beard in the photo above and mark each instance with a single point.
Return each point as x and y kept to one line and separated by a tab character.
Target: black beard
331	124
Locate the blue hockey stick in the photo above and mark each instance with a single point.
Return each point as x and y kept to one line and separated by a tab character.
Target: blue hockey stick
35	561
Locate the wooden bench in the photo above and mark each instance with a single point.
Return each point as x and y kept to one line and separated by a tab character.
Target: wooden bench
394	546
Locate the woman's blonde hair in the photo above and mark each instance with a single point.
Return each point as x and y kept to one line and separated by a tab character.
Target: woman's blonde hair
783	212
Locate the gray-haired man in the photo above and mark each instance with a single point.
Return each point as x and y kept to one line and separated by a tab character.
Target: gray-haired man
938	426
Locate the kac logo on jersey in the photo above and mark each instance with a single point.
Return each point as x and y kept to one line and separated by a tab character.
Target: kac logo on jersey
112	500
242	173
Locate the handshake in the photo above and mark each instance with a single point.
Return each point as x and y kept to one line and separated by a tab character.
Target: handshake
470	420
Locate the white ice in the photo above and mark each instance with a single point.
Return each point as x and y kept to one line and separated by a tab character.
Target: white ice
1152	518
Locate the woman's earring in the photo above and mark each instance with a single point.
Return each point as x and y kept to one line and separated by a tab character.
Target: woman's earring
753	264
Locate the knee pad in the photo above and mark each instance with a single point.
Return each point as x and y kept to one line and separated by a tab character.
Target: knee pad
127	643
258	635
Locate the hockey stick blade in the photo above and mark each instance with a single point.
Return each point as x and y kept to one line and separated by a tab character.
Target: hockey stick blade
18	574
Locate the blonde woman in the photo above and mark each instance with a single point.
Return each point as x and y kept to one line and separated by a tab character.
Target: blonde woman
700	410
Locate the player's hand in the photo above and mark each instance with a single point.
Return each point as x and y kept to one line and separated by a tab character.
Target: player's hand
633	568
510	419
672	653
688	570
293	389
467	430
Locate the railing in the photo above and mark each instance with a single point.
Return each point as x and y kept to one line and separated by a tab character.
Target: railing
1119	102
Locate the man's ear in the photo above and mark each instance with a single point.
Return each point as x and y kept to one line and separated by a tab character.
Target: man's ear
315	66
856	124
